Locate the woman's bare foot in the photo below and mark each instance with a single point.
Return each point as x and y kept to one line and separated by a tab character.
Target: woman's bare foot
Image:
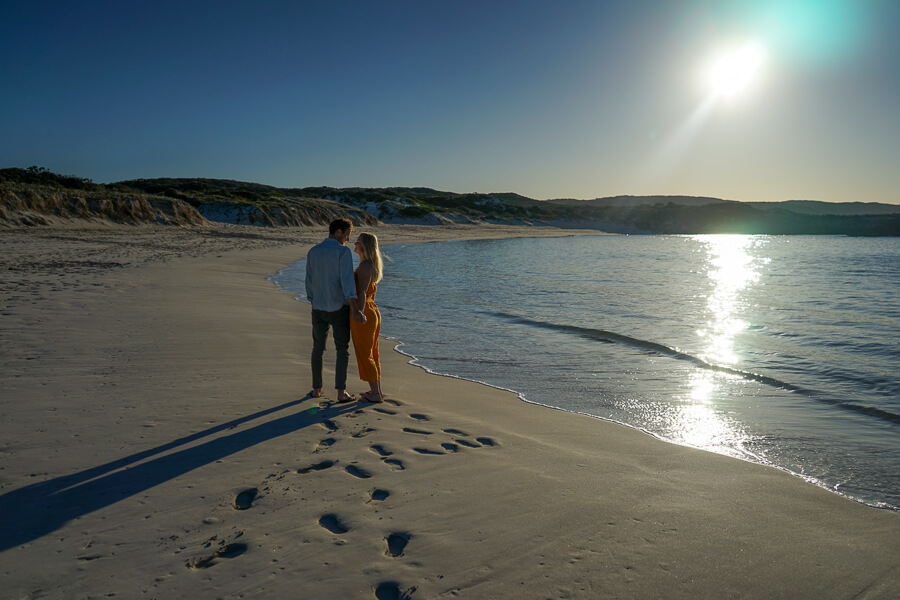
371	397
316	393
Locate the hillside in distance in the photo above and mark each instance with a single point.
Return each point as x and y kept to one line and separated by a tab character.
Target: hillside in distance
808	207
815	207
35	194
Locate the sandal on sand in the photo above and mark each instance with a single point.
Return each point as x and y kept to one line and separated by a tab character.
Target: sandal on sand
347	398
369	397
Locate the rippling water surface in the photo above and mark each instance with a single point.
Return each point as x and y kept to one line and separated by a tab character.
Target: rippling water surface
777	349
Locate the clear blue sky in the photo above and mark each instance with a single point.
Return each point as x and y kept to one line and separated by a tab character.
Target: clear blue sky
549	99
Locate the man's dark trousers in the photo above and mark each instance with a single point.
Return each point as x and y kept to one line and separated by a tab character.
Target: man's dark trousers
339	321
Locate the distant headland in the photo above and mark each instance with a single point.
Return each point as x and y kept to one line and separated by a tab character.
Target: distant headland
36	196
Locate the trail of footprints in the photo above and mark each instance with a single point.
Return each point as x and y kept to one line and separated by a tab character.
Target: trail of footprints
395	543
424	442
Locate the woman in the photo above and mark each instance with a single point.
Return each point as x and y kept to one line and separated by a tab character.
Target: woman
365	335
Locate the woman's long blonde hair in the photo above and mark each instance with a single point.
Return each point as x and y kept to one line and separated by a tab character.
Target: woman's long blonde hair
371	252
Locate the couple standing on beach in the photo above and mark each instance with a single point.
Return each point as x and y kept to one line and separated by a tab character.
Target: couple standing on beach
344	301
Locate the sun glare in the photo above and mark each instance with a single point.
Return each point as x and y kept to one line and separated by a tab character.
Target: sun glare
734	71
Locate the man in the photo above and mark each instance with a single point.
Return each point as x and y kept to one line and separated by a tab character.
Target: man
331	290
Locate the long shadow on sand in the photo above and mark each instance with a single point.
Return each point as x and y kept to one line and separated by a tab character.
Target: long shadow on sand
31	512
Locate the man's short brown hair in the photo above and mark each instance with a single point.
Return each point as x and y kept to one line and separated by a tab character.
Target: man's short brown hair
340	225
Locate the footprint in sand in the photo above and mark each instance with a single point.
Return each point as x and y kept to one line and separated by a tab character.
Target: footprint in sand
357	472
392	402
419	417
396	543
380	450
467	444
385	411
480	442
244	499
90	557
378	496
417	431
226	549
329	425
396	463
362	432
450	447
390	590
428	452
232	550
325	444
455	432
333	524
321	466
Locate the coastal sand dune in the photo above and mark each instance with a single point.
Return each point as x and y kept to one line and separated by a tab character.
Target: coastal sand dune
158	441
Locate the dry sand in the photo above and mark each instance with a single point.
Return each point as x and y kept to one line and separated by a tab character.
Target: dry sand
153	380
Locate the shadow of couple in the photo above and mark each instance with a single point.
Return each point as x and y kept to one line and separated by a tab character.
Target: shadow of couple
33	511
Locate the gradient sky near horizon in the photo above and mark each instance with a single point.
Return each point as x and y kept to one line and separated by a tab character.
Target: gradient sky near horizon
549	99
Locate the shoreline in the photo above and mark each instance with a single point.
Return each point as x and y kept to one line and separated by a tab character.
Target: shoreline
145	400
521	397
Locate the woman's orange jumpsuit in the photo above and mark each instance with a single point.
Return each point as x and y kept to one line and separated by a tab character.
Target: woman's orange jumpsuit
365	338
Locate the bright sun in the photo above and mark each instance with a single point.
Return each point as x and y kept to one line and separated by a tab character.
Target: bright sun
734	71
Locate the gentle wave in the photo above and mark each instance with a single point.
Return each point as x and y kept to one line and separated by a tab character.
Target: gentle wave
610	337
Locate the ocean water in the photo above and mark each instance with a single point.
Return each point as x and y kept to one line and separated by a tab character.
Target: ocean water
781	350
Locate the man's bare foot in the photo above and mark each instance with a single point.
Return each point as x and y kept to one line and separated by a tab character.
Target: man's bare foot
316	393
345	397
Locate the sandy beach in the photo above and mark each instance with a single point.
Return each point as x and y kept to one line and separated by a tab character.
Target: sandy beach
158	441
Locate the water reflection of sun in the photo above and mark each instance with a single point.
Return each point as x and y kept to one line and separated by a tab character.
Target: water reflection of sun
731	268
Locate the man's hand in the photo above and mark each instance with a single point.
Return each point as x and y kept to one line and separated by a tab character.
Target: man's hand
356	312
